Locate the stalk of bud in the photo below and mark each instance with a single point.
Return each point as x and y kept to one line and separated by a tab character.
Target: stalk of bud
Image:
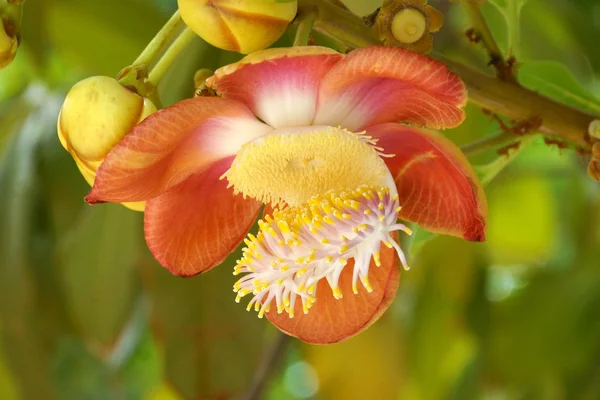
9	41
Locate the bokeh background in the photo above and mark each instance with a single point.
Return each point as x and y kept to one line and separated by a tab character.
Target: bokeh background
86	314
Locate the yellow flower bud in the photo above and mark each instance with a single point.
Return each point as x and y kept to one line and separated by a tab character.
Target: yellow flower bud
242	26
97	113
8	42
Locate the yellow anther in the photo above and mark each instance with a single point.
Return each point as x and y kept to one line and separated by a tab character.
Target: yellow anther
367	284
329	259
324	241
327	219
283	227
388	244
343	248
311	289
301	272
377	258
381	206
367	212
354	288
337	293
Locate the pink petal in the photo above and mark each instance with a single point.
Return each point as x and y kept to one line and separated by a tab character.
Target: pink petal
373	85
330	320
171	145
436	184
195	225
278	85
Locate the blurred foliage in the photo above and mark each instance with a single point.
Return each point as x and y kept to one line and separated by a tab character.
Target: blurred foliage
85	312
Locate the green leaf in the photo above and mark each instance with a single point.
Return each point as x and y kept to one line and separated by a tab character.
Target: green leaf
556	81
511	9
211	344
99	275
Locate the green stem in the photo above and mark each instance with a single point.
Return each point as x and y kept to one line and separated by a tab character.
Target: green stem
268	365
160	41
165	62
12	11
504	71
339	23
488	143
519	103
305	26
513	12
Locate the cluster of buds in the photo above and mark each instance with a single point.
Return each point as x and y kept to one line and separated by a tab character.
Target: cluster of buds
10	35
97	113
409	24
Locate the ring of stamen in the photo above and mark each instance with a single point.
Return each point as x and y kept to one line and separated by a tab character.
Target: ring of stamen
300	245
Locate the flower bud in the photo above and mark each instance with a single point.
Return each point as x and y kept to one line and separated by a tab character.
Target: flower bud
97	113
242	26
9	42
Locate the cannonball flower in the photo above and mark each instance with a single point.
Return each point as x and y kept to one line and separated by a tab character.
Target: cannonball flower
321	140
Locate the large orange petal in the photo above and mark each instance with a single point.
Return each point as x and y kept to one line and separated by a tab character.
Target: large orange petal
330	320
373	85
279	85
171	145
436	184
195	225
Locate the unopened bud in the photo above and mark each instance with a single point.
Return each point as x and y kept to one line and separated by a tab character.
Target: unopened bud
9	42
97	113
242	26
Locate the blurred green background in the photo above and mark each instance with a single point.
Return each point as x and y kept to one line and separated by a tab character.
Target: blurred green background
86	314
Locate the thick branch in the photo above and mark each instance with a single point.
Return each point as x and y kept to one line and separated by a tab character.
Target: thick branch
268	365
500	96
519	103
